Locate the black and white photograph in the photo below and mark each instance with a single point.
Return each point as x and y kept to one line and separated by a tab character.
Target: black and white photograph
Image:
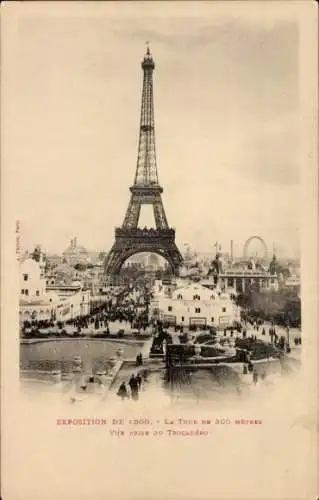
176	258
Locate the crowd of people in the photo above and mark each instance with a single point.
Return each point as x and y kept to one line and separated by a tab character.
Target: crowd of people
280	341
121	307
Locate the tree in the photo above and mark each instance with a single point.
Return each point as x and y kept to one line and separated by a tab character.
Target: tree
280	307
80	267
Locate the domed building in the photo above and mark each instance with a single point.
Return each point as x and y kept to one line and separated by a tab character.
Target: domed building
76	254
241	275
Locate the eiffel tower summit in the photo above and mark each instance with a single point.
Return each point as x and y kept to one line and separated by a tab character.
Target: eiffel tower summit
129	238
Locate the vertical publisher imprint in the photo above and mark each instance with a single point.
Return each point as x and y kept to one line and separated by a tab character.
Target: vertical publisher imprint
18	242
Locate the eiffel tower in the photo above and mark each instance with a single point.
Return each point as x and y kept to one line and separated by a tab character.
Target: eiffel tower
129	238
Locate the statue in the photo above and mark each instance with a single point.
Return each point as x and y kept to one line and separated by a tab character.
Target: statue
217	265
252	265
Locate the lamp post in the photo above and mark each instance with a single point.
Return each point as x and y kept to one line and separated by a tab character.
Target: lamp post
288	337
197	351
119	353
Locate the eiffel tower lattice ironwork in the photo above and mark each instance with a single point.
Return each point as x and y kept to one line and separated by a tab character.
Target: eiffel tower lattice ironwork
129	238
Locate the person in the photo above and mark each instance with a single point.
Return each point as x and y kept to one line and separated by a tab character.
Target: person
139	359
271	334
122	392
134	387
139	381
263	331
255	377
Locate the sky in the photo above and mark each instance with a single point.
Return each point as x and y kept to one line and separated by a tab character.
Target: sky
227	113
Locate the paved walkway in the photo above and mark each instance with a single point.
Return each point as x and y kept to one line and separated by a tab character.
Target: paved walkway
293	333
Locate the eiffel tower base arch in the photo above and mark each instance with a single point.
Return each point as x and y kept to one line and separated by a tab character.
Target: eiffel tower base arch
131	241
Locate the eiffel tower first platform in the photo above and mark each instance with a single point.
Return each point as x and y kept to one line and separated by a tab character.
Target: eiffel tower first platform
130	239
